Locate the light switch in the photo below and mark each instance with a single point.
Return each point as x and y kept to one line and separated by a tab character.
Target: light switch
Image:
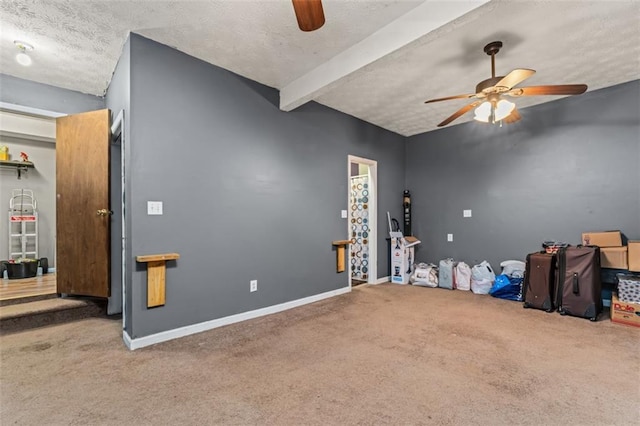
343	214
466	213
450	237
154	207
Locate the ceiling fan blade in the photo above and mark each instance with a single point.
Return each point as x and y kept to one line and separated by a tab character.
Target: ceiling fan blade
460	112
514	77
561	89
309	14
513	117
471	95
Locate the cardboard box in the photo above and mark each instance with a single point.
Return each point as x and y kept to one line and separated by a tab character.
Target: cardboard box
602	239
629	288
402	257
613	257
624	313
634	256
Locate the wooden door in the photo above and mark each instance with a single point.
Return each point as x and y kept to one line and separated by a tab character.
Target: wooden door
82	205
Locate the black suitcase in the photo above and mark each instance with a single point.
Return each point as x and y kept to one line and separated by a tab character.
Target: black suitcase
539	281
579	283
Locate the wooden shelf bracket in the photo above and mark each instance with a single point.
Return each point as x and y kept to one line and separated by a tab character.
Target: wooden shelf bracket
340	246
156	272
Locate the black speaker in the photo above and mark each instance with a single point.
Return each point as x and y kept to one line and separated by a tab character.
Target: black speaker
406	212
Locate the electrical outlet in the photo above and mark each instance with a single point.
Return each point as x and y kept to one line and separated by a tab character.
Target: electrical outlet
466	213
253	285
450	237
154	207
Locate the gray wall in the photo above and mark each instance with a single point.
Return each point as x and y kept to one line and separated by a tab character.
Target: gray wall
249	191
17	91
567	167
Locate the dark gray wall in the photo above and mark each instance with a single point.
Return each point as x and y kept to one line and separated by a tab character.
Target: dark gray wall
567	167
17	91
118	99
249	191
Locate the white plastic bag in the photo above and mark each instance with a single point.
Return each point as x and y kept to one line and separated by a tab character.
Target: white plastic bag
463	276
446	274
425	274
483	271
481	286
482	278
513	268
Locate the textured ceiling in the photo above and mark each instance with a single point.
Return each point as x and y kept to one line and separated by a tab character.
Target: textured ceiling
78	44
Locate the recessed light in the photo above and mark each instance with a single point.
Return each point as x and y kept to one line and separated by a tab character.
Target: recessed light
22	57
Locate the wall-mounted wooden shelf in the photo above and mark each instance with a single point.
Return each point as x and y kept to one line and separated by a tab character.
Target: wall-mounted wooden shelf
340	246
19	166
156	276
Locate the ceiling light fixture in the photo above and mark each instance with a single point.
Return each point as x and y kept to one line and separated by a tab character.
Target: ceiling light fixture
492	112
22	57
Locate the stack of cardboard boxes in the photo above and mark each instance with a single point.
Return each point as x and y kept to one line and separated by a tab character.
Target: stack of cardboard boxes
612	253
625	306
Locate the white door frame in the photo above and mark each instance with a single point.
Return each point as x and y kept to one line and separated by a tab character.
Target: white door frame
373	216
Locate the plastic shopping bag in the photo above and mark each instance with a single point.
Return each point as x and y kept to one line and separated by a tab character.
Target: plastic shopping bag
505	287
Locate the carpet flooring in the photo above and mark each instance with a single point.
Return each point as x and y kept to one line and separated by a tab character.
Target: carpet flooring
385	354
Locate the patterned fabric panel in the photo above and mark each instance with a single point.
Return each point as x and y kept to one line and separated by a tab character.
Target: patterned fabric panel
359	218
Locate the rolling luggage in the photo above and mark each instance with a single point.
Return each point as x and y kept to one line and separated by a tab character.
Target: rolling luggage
540	281
578	282
445	274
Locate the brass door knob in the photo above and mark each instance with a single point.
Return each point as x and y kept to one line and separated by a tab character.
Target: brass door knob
104	212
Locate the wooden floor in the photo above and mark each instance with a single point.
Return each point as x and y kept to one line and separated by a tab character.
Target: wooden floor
27	287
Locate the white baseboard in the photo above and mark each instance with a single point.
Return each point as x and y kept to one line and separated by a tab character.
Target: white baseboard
164	336
383	280
127	339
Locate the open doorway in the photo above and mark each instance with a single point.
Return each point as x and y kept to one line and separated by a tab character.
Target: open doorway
362	220
46	166
27	205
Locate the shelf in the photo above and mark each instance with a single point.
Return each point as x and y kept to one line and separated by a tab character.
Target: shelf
19	166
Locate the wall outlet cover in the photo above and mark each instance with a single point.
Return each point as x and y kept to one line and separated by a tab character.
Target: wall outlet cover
450	237
466	213
154	207
343	214
253	285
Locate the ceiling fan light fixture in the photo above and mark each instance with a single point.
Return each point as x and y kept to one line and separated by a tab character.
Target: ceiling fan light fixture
501	111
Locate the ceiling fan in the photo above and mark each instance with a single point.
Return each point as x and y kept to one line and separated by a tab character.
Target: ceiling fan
489	95
309	14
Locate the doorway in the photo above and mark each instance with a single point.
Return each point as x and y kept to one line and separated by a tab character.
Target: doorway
362	214
115	301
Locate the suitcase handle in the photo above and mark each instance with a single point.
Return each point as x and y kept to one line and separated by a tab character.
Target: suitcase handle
576	288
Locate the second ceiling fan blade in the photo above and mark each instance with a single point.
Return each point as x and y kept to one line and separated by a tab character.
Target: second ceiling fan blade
470	95
459	113
309	14
560	89
514	77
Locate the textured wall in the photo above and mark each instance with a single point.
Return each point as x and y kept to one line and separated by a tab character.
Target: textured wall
17	91
568	166
249	191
